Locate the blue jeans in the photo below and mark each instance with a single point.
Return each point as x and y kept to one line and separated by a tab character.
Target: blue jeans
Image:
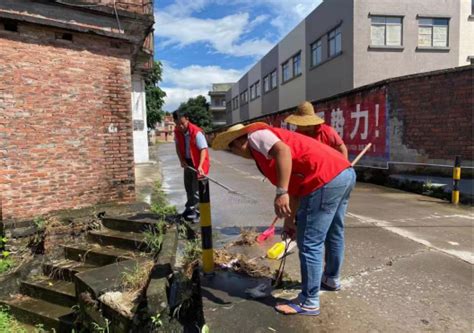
320	224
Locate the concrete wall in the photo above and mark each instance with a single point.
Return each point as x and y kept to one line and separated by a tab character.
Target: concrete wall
372	65
66	136
292	92
270	99
333	75
255	106
140	128
466	43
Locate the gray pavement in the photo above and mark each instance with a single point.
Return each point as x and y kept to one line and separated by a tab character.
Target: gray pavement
408	261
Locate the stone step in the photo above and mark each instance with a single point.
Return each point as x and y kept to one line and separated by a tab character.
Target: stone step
55	291
129	224
97	255
120	239
65	269
35	311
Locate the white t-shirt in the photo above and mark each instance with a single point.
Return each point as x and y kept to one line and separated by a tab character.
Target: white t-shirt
263	141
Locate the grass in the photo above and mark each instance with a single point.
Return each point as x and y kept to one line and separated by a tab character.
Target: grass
153	238
136	279
163	210
5	265
8	324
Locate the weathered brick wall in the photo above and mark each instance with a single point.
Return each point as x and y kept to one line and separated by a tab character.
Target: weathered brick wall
65	122
433	115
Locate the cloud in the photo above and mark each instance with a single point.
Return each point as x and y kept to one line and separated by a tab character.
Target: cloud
223	35
180	84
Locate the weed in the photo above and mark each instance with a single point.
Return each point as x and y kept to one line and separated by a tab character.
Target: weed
8	324
156	321
5	265
163	210
39	328
153	238
96	328
137	278
192	250
40	223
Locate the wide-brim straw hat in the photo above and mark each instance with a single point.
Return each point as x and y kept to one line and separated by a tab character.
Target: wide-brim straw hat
222	140
304	116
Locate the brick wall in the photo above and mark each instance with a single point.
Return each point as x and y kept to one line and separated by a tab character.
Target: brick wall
433	115
65	122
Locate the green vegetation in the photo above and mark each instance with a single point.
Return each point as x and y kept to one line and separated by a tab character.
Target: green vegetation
192	250
198	111
154	237
6	263
96	328
154	95
156	321
8	324
137	278
40	223
163	210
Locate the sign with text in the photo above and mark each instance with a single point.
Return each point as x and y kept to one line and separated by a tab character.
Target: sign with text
359	119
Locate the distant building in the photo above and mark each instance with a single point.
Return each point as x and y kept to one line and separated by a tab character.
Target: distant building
164	130
345	44
218	103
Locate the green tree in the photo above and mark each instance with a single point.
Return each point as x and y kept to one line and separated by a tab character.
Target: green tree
198	111
154	95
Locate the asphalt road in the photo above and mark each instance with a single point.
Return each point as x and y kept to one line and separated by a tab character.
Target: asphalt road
408	265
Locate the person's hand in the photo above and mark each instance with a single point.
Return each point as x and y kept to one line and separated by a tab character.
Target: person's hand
290	227
200	171
184	164
282	206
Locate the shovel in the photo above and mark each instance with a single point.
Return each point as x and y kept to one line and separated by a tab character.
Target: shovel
269	232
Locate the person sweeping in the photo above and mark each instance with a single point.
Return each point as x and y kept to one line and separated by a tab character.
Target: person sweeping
307	122
322	179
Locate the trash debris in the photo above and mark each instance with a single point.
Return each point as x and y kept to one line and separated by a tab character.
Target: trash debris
240	264
248	237
261	291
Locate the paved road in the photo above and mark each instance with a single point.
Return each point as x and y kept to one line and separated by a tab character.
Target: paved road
408	260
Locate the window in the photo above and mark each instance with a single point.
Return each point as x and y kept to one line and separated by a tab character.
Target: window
297	64
386	31
316	52
266	83
285	70
10	26
274	81
244	98
433	32
235	103
257	89
252	92
223	102
335	42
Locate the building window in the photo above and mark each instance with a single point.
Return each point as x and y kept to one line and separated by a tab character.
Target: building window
273	81
11	26
257	89
386	31
252	92
244	98
316	52
266	83
235	102
297	64
433	32
223	102
285	71
335	42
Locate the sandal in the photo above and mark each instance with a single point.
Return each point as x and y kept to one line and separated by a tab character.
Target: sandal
326	287
298	309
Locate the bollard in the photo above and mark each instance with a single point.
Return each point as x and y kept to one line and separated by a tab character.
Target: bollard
206	226
456	179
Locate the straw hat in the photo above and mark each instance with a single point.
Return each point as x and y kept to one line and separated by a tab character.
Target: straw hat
223	139
304	116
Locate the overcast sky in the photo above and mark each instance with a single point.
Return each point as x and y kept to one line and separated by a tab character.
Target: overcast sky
201	42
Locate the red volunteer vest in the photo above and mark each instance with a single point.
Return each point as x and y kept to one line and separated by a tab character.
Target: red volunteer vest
195	152
314	164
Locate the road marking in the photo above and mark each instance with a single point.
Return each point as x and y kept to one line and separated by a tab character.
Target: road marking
463	255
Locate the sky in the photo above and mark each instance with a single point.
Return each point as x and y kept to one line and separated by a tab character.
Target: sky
201	42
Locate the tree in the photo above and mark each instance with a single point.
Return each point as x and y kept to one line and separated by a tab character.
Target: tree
198	111
154	95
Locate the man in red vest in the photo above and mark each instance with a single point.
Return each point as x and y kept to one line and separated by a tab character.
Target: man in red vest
310	124
192	151
322	179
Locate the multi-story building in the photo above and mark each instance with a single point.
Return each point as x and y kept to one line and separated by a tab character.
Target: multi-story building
345	44
217	106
